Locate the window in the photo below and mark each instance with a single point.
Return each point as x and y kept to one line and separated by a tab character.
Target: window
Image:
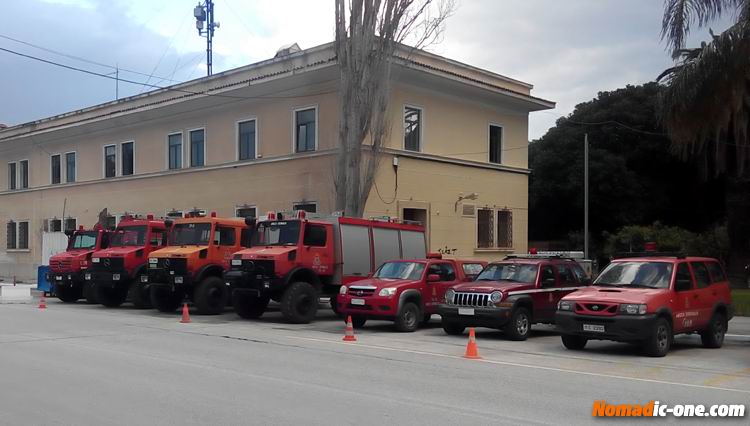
10	234
70	167
55	170
447	273
224	236
11	175
315	235
23	235
24	171
304	134
412	128
70	224
174	214
197	148
494	228
110	222
128	160
54	225
702	278
504	228
565	274
471	270
717	272
246	140
683	281
580	274
310	207
110	161
548	276
485	228
158	237
496	144
246	211
174	150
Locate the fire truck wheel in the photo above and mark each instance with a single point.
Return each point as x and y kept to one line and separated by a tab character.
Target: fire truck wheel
658	344
68	294
299	304
139	294
408	317
519	326
573	342
164	299
713	336
89	292
211	296
248	306
110	297
453	329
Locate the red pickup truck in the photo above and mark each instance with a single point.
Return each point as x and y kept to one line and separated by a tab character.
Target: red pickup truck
404	291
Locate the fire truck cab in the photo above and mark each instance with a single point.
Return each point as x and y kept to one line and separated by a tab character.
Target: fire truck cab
66	269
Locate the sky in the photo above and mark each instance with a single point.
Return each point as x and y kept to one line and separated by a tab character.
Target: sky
569	50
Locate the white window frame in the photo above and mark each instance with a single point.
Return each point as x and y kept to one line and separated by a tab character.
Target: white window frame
17	224
237	137
104	161
15	172
502	142
294	128
122	156
495	228
190	147
297	203
246	206
421	127
62	174
65	166
62	224
28	174
182	150
67	218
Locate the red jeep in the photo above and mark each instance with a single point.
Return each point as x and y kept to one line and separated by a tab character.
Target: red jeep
66	269
648	300
405	291
121	269
512	295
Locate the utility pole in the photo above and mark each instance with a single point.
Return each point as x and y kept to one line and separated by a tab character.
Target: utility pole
586	196
204	17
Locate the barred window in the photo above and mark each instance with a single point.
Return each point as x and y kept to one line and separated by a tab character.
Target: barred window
10	234
23	235
504	228
494	228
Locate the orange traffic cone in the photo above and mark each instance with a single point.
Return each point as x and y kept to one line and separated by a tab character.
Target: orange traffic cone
349	335
185	314
42	302
471	348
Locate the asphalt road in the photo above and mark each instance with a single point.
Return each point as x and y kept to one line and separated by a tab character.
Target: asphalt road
88	365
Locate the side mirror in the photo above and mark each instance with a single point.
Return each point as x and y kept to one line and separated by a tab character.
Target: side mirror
683	285
431	278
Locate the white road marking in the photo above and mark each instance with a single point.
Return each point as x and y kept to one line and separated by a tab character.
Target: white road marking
514	364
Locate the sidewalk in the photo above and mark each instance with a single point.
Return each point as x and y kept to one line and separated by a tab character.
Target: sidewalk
739	326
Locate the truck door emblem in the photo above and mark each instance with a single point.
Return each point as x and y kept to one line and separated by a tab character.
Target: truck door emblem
106	262
316	260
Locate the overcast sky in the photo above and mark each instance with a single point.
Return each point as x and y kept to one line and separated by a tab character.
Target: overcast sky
569	50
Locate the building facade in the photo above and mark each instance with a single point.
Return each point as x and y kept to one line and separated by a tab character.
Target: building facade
263	138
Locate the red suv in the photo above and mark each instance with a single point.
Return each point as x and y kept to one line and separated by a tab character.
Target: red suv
405	291
511	295
648	300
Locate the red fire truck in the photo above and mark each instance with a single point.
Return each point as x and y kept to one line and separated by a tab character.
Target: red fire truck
294	260
66	269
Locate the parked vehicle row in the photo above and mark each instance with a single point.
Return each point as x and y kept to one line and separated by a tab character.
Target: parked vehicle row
379	270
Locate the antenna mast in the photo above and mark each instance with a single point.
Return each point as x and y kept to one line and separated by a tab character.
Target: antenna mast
204	22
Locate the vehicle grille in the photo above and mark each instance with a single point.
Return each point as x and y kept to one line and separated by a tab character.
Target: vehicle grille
361	291
109	264
259	267
471	299
596	308
59	265
176	264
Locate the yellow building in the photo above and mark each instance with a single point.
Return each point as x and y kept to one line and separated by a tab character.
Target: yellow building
263	137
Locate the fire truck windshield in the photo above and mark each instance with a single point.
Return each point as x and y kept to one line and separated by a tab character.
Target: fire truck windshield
190	234
129	236
278	233
83	240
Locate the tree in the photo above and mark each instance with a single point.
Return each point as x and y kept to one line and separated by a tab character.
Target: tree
705	105
367	36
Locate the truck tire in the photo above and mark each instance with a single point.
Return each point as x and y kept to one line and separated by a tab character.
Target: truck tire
335	306
211	296
713	335
408	317
519	326
110	297
299	303
453	329
89	292
139	295
164	299
574	343
248	306
658	344
68	294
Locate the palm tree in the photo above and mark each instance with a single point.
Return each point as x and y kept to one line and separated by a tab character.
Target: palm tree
705	103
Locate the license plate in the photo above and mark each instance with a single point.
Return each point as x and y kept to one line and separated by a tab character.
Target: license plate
593	327
178	280
466	311
115	277
236	262
358	302
58	278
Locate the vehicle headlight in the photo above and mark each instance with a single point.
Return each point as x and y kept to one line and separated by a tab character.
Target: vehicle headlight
633	308
342	290
564	305
496	296
95	260
449	295
387	292
152	260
